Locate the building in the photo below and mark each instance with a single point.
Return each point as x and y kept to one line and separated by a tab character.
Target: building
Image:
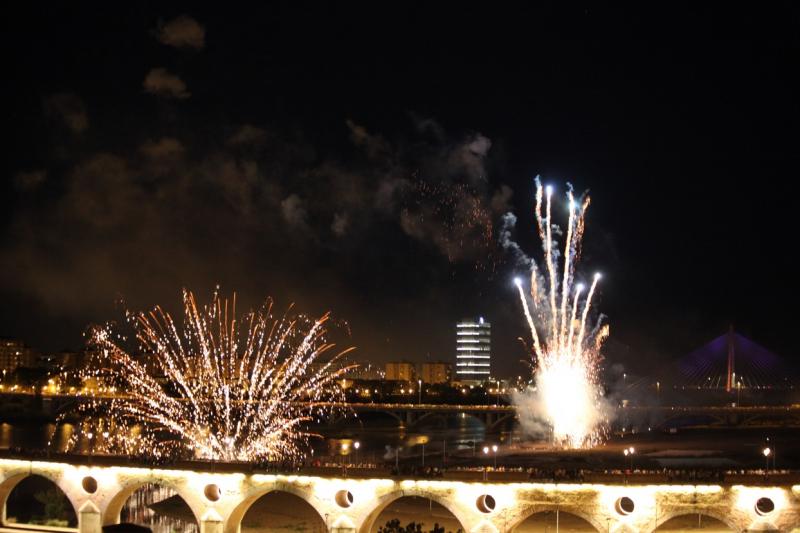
473	350
14	354
436	372
400	371
366	372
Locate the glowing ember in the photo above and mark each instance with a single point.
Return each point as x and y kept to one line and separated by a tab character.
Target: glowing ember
216	388
565	355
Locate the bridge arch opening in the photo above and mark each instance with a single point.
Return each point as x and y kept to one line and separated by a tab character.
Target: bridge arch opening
397	513
694	522
277	510
542	521
379	419
152	505
35	500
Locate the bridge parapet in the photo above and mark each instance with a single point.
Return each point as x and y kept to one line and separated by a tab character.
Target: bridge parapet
219	500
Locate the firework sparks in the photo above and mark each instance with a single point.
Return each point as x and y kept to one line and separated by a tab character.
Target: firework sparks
566	358
456	217
217	388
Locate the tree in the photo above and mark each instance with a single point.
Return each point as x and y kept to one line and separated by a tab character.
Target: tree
55	504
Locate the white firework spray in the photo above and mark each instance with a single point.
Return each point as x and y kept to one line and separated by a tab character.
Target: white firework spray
566	356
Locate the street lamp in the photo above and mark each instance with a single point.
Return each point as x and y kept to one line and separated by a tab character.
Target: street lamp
356	445
773	452
494	450
419	399
766	451
485	469
90	436
343	452
628	452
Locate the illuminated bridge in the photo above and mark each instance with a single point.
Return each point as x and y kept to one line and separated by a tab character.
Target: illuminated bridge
219	500
494	416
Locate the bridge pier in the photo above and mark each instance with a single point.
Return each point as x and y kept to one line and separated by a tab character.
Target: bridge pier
90	520
211	522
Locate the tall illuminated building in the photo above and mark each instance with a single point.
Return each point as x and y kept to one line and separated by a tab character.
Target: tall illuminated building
473	350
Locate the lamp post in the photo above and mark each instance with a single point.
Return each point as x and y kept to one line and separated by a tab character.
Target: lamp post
356	445
628	452
494	451
90	436
766	451
419	399
342	452
485	468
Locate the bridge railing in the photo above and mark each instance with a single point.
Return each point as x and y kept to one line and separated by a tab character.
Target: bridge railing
452	473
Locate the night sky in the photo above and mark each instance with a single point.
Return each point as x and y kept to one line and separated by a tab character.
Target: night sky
358	158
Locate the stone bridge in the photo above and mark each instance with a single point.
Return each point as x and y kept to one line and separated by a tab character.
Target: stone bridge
493	417
496	417
723	416
219	500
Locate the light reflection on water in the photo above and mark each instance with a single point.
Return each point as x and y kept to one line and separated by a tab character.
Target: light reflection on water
378	440
35	436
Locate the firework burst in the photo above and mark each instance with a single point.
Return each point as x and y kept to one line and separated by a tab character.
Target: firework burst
217	387
566	352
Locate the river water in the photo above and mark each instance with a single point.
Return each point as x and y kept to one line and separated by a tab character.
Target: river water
378	441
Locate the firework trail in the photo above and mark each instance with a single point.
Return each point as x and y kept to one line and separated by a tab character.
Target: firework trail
219	387
566	359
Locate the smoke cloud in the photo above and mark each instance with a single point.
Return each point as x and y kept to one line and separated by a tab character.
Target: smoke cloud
531	408
182	32
161	82
69	109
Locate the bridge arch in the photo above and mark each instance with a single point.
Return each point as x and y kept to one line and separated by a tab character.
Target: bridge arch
501	420
9	483
234	520
383	415
386	500
681	419
111	514
430	415
552	507
725	518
